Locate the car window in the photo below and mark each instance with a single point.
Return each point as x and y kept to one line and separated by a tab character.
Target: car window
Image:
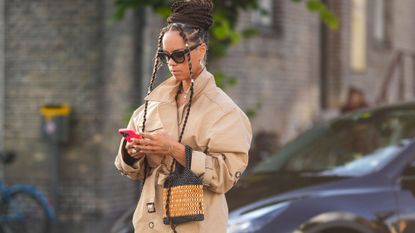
357	145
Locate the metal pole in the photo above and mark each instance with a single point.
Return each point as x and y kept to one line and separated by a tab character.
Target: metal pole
382	98
413	73
2	73
2	81
401	94
54	152
324	102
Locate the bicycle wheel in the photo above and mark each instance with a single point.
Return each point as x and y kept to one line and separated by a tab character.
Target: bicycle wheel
24	213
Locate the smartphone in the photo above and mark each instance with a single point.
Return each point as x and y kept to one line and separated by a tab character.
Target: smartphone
128	134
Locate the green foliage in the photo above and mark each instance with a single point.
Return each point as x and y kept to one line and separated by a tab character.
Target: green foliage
224	32
250	32
250	113
224	81
127	115
253	111
325	14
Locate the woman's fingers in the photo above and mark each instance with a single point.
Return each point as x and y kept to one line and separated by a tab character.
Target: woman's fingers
130	145
138	155
151	149
151	144
132	149
147	147
147	142
147	136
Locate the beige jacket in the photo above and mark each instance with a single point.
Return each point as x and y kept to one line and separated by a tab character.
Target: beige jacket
220	135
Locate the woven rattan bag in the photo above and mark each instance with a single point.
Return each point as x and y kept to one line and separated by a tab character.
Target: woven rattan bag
183	194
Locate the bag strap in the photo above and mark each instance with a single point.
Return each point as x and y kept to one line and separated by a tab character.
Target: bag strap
188	159
188	150
188	153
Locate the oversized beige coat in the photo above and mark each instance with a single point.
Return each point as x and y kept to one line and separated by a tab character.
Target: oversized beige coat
220	135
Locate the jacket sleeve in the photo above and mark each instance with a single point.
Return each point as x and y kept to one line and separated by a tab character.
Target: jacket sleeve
227	155
128	166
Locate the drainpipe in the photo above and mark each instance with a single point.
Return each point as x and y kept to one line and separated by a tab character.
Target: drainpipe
2	73
323	68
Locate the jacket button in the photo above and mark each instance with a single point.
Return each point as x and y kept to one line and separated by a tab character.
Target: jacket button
151	208
151	225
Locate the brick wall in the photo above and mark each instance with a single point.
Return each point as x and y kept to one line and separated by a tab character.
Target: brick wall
283	73
400	35
71	52
52	56
121	94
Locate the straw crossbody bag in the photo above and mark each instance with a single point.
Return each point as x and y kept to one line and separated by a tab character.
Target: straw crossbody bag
183	194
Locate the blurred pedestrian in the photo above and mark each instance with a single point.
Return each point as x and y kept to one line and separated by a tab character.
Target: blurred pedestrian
186	118
355	100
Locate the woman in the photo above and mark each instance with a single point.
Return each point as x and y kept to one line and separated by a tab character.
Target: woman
187	109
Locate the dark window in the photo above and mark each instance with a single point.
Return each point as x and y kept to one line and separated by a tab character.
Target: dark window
381	31
268	19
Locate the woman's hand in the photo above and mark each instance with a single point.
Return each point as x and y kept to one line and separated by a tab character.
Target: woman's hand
133	148
161	143
156	143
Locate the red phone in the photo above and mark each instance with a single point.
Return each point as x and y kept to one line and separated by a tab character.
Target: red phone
128	134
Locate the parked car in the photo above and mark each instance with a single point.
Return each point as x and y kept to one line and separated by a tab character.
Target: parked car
124	223
354	174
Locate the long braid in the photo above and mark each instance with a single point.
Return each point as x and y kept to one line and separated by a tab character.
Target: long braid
186	41
156	67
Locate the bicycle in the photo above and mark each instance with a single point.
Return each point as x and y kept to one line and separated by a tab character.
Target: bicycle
23	208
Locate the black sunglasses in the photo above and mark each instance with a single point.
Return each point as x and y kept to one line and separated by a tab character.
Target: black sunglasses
178	56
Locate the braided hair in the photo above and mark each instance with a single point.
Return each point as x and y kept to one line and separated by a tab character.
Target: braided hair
192	19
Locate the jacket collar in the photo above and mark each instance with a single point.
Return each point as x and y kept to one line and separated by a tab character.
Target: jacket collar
166	91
